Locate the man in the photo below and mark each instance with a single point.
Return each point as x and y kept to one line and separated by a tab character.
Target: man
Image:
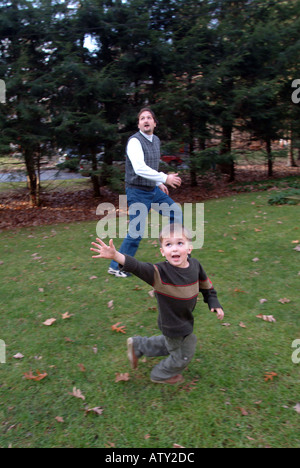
144	184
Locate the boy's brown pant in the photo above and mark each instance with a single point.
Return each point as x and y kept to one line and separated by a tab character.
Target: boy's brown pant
180	351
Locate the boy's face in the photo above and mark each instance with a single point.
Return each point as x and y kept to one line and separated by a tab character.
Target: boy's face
176	250
147	123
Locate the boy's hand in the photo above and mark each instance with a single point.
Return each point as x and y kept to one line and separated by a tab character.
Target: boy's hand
220	313
107	251
103	250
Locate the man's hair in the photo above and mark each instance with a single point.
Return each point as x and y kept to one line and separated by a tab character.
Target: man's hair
147	109
175	229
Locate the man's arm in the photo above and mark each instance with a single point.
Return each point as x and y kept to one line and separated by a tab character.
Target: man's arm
136	155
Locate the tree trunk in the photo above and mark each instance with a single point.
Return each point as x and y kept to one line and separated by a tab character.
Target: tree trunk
95	176
270	158
227	167
31	178
291	160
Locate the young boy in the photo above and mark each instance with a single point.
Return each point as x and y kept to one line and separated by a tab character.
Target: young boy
177	283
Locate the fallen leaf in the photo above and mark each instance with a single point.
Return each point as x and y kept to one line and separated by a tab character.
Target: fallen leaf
29	376
267	318
122	377
295	242
77	393
18	356
82	368
118	329
243	411
93	277
178	446
97	410
270	376
256	259
59	419
66	315
297	248
110	304
242	325
284	300
262	301
49	322
226	324
297	408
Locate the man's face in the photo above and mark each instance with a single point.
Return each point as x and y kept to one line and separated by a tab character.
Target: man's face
146	123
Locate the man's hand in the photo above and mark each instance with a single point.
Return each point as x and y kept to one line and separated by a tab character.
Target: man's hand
173	180
220	313
164	189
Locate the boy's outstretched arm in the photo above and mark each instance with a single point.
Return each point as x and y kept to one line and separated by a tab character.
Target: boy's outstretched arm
107	251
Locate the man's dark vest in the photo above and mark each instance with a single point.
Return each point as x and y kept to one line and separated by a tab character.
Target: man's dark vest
152	157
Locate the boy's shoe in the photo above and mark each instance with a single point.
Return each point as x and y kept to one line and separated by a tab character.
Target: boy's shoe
177	379
118	273
131	354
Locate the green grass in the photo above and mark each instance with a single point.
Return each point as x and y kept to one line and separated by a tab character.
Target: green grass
225	400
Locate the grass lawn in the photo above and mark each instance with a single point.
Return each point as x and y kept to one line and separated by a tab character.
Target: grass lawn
225	401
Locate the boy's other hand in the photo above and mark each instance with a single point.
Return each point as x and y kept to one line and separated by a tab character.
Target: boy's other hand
220	313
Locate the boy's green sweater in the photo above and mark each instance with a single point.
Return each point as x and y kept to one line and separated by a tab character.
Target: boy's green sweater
176	290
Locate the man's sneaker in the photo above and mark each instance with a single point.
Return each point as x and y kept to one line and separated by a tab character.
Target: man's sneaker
177	379
118	273
131	354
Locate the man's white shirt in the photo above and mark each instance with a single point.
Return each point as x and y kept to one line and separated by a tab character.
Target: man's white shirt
136	155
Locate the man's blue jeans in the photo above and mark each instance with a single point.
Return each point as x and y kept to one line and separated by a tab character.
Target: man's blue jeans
153	199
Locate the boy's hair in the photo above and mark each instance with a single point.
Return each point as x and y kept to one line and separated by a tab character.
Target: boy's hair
147	109
172	229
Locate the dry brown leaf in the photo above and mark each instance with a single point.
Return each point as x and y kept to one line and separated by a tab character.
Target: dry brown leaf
77	393
118	329
59	419
66	315
96	410
18	356
284	300
82	368
297	408
29	376
49	322
266	318
270	376
242	325
122	377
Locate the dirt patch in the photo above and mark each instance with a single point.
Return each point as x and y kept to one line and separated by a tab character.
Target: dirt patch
66	206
